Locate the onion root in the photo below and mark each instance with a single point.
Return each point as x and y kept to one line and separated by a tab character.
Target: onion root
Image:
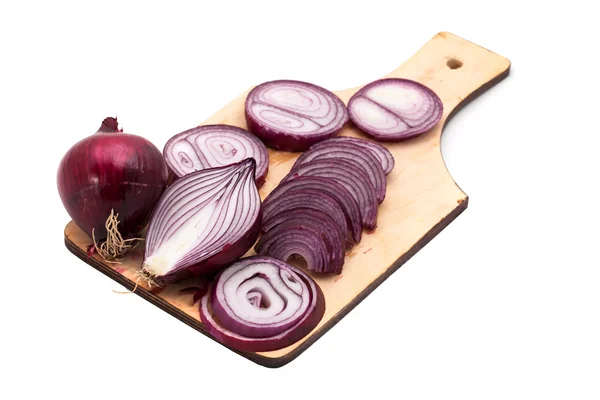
114	247
147	277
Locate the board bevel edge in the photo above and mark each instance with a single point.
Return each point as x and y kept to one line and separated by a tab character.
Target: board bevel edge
283	360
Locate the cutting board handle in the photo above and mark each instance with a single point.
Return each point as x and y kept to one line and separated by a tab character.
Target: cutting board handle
456	69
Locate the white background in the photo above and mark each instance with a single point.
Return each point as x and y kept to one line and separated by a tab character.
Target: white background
504	303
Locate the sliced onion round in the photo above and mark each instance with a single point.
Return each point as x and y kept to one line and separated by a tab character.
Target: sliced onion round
278	210
298	185
359	156
262	304
386	159
395	109
204	220
210	146
346	174
309	234
292	115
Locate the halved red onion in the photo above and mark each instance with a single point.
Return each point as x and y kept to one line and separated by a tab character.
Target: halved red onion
278	210
204	220
300	184
262	304
395	109
346	174
210	146
303	233
386	159
292	115
357	155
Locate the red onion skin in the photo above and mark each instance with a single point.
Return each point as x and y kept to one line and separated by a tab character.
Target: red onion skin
261	181
108	171
228	254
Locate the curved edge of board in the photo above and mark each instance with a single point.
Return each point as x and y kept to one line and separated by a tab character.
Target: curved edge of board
501	74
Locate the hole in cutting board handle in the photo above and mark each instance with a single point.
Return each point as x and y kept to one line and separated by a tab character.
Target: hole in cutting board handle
453	63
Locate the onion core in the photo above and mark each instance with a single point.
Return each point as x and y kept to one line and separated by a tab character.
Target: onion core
262	304
395	109
205	220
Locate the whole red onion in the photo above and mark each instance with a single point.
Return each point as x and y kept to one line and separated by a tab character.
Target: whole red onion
111	171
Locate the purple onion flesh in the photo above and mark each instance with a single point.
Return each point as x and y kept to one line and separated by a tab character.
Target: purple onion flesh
395	109
204	221
346	174
277	210
362	159
308	234
262	304
277	243
210	146
386	159
334	186
296	186
292	115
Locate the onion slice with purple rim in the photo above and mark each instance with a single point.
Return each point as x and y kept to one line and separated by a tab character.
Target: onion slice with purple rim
309	234
395	109
262	304
296	186
346	174
204	220
362	159
384	156
277	210
292	115
210	146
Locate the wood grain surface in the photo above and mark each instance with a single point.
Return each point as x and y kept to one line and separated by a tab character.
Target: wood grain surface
422	198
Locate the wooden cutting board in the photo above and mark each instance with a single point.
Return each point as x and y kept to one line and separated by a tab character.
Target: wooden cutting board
422	198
